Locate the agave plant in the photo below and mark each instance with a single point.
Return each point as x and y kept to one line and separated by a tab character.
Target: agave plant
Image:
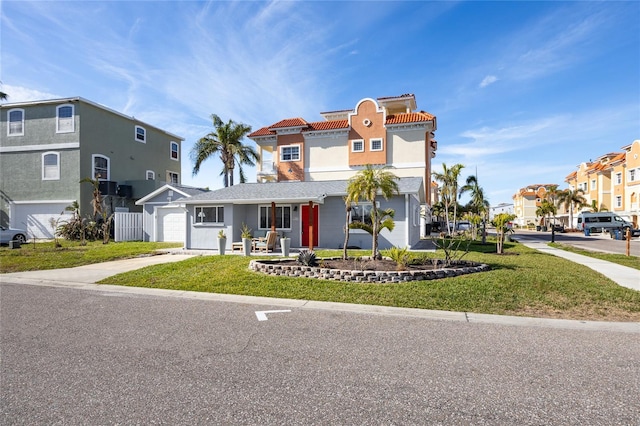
307	258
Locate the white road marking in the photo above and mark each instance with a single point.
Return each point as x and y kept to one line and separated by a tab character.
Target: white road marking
262	315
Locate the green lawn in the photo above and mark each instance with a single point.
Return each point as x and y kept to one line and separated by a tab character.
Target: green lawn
621	259
45	255
522	282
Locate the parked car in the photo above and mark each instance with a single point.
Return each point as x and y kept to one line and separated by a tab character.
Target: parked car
12	234
558	228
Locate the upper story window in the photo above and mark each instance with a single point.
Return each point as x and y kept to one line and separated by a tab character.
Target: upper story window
593	184
290	153
376	144
618	201
357	145
175	151
618	178
213	214
101	167
632	175
15	118
173	177
51	166
65	123
151	175
141	134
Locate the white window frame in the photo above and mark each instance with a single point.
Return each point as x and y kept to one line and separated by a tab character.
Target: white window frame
177	151
169	173
619	178
72	119
93	166
366	211
632	175
593	184
144	134
289	147
618	200
150	173
21	133
216	210
375	140
57	174
353	145
282	225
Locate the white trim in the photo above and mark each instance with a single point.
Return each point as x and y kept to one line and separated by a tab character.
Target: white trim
146	175
353	145
350	169
406	220
171	143
42	147
403	127
44	154
73	118
158	191
144	134
214	206
317	134
43	202
269	218
9	122
296	145
381	144
93	166
169	182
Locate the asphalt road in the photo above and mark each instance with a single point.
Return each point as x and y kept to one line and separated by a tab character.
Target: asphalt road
596	242
79	357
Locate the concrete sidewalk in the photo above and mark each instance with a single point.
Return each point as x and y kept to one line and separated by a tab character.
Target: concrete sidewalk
621	275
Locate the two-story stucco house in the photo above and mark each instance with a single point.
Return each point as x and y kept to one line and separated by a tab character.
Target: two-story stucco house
47	147
304	172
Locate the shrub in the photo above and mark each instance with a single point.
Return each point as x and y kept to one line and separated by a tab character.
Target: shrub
398	255
307	258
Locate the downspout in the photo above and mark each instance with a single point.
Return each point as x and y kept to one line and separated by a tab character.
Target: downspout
406	220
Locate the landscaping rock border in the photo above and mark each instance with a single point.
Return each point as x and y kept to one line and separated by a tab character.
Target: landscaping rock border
275	267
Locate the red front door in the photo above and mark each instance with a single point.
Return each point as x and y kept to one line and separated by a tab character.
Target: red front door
305	225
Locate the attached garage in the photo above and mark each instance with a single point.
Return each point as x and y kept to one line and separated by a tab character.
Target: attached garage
35	216
163	219
170	224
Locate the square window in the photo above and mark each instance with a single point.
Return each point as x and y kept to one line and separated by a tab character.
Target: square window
357	145
376	144
173	178
283	217
151	175
290	153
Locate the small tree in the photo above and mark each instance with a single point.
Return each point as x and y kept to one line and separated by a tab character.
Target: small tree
501	221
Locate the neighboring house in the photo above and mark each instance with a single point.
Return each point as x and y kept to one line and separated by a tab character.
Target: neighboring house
499	209
253	203
163	220
612	181
47	147
303	177
526	201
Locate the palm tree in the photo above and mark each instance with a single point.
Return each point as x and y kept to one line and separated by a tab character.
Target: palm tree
478	205
449	192
569	198
225	140
366	184
546	209
3	96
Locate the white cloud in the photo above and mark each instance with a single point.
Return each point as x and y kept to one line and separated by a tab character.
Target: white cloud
25	94
490	79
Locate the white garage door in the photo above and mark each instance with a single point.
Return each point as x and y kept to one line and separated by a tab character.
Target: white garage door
170	225
35	217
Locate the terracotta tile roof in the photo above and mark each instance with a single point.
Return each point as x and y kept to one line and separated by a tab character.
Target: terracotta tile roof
261	132
570	176
289	122
410	117
327	125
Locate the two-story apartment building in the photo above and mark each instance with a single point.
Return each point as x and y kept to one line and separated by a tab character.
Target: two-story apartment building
47	147
612	181
303	177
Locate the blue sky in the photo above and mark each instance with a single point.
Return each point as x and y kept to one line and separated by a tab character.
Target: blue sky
522	91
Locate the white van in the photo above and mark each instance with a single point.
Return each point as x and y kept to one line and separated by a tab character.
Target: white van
598	222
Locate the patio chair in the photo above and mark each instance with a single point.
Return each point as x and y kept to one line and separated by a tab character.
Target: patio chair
267	243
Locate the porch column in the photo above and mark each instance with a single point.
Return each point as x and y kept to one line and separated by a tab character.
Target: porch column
273	216
311	218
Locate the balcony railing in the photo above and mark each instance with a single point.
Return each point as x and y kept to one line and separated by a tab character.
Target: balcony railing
267	169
